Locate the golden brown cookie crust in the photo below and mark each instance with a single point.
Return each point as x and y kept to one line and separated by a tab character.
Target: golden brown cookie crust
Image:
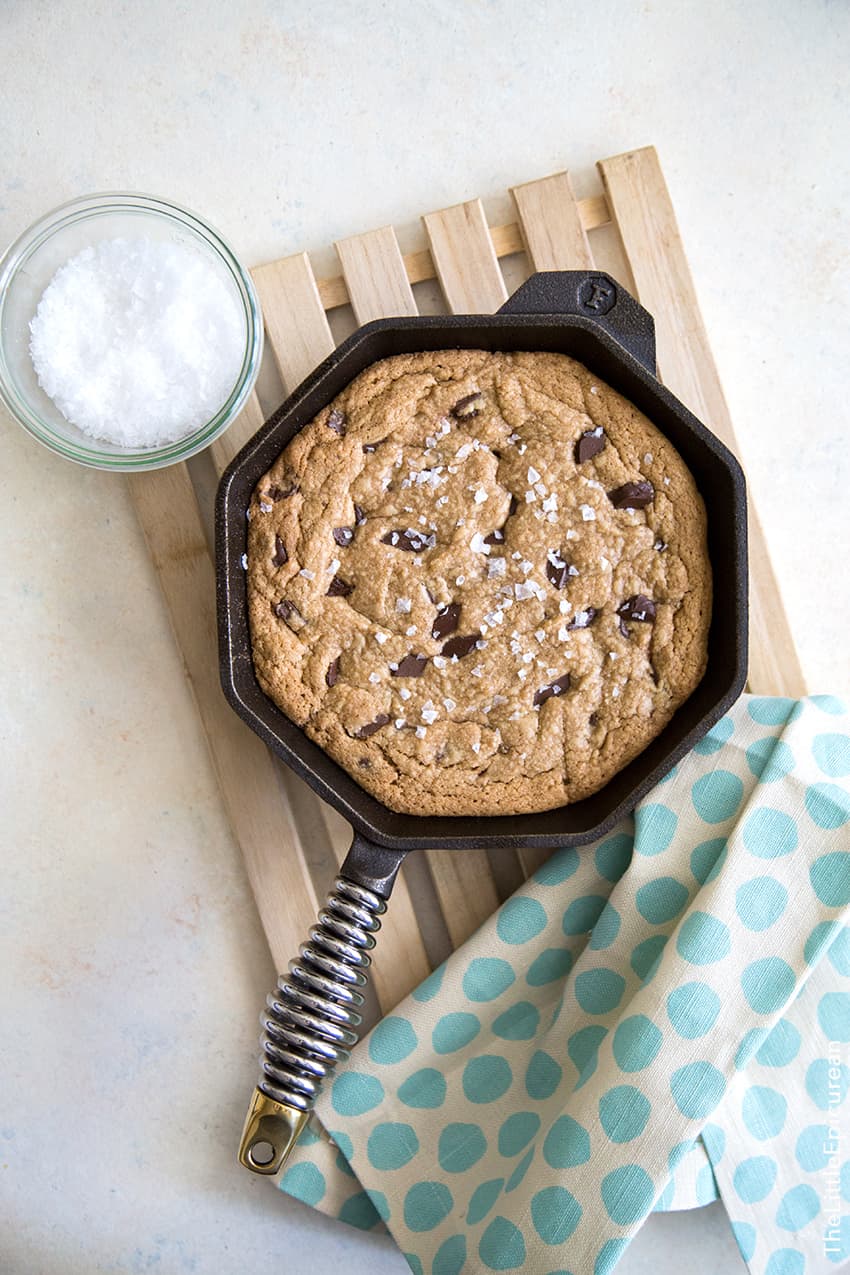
374	531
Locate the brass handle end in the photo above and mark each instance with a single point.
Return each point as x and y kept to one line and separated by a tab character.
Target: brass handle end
271	1131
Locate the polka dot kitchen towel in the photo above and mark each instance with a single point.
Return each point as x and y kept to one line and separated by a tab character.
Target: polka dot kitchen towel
651	1022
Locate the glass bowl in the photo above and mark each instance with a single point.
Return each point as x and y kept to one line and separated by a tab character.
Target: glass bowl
25	271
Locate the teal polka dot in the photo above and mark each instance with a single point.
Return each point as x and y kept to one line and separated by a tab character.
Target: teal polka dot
605	930
665	1199
717	796
707	859
354	1093
760	903
520	1022
829	704
646	957
342	1140
424	1090
706	1186
599	991
752	1041
583	1049
769	834
834	1015
693	1009
549	966
308	1137
666	779
770	759
637	1042
697	1089
832	754
767	984
555	1214
542	1077
609	1255
426	1205
358	1210
520	920
830	878
460	1147
785	1261
797	1208
614	856
502	1247
486	978
454	1031
487	1078
342	1164
582	914
450	1257
821	937
627	1194
678	1153
827	1084
814	1148
754	1178
773	711
840	1252
714	1141
517	1131
655	827
745	1238
660	900
781	1046
381	1204
305	1182
764	1111
839	950
483	1199
428	990
624	1113
827	805
702	939
567	1144
392	1041
559	868
519	1172
414	1263
391	1145
716	738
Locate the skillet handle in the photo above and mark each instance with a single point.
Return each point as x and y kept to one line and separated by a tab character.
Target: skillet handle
593	295
311	1018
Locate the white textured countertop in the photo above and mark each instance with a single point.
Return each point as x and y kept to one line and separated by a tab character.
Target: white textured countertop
133	965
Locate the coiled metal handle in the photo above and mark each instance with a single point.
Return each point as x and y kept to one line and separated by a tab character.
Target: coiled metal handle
310	1023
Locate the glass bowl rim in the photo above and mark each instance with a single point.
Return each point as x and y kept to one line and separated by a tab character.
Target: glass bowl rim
129	460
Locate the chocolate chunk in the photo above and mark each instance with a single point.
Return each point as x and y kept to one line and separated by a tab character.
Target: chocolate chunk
593	720
280	493
369	729
583	619
280	557
411	666
660	546
465	408
336	421
373	447
632	495
557	687
460	646
343	536
364	763
339	588
495	538
333	672
359	516
557	572
288	611
639	608
513	507
445	621
589	444
411	540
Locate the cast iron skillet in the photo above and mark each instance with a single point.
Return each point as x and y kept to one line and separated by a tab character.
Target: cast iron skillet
309	1021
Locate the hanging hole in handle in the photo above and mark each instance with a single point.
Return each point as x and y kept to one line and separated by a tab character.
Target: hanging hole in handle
261	1153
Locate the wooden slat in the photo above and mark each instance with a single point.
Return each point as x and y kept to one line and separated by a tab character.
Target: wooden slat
551	224
256	806
244	427
466	261
641	207
373	297
508	239
374	272
297	328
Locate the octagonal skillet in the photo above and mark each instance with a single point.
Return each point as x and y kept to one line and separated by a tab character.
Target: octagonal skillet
311	1018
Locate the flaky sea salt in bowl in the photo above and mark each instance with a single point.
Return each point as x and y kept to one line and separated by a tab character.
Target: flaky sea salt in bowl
130	335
